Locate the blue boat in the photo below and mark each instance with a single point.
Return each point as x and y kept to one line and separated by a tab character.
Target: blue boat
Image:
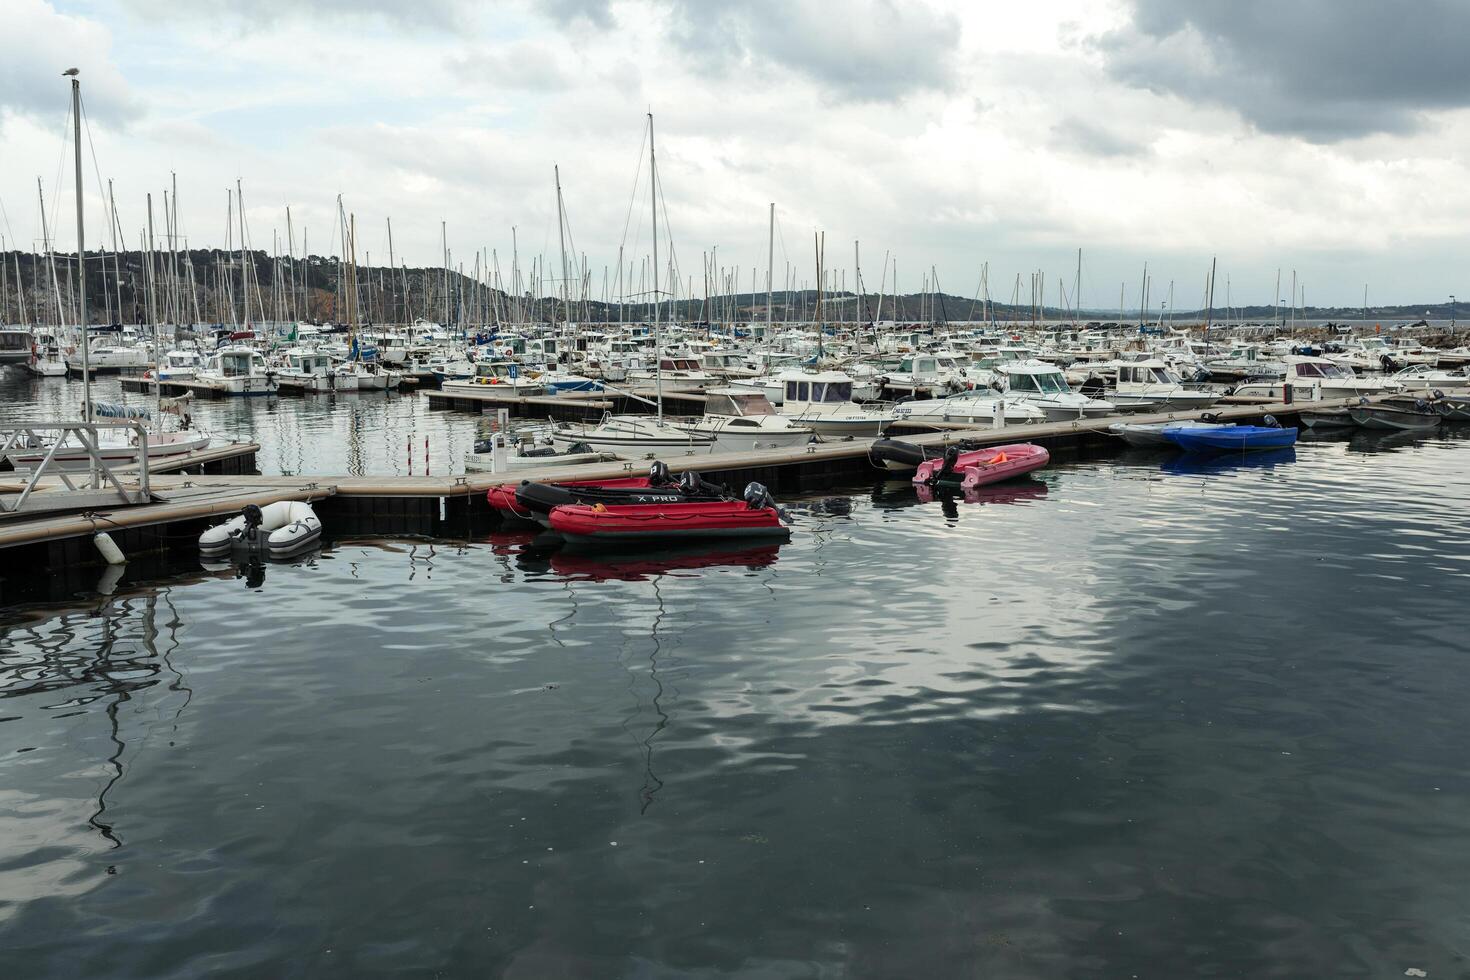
1231	439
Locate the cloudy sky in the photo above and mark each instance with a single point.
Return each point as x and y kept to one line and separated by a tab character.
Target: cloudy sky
1322	136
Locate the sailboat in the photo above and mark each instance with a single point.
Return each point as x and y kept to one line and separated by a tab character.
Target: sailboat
638	435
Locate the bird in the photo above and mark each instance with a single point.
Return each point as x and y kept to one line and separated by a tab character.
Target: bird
71	71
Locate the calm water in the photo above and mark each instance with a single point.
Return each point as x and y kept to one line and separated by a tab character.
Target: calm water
1135	719
357	434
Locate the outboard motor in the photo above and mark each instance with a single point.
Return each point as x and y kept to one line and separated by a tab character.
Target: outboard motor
1387	363
690	483
1421	404
1437	394
757	497
951	458
1271	422
659	475
253	519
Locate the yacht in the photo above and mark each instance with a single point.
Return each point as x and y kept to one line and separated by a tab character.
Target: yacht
739	420
1422	377
237	371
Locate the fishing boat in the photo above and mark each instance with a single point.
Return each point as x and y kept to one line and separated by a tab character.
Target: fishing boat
277	530
1234	438
1152	385
311	371
178	365
237	371
1150	434
1400	417
753	517
737	420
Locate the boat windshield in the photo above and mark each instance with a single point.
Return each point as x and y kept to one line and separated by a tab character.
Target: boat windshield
1046	383
837	391
1165	376
744	406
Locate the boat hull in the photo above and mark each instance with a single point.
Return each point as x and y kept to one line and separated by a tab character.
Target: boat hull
1239	438
638	523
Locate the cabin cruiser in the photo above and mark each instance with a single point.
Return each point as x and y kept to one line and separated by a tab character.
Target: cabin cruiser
823	403
369	375
1150	383
450	368
502	376
675	373
1378	353
1316	378
1043	385
739	419
1244	361
928	374
309	370
179	365
630	437
726	364
237	371
15	345
109	359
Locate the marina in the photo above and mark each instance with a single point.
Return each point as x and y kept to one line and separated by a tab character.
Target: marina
899	516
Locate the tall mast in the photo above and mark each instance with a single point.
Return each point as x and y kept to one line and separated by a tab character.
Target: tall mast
770	264
658	354
76	117
561	234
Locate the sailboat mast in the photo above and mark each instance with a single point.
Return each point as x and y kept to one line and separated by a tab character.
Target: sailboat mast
770	264
658	353
76	116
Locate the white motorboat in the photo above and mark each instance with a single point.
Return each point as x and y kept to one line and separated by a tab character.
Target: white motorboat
179	365
739	420
823	403
678	374
1422	377
978	407
1044	386
303	369
1150	383
109	359
237	371
1316	378
503	376
116	446
631	437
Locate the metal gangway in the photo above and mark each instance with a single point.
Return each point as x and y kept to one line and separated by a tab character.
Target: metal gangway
74	473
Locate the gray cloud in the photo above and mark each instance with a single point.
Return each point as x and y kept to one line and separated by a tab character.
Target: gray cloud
435	15
873	50
1093	139
1324	70
595	12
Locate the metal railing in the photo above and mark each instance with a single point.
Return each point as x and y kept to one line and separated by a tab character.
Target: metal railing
73	457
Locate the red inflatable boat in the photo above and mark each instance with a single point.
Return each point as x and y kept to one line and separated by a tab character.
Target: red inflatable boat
982	466
503	497
602	524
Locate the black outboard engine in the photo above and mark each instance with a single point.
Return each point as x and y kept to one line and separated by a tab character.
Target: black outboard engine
946	469
690	482
659	475
1271	422
1388	363
1421	404
253	519
757	497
